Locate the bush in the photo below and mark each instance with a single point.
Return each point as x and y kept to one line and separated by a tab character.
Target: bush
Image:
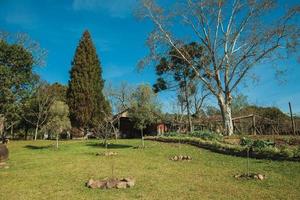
246	142
206	135
260	144
173	134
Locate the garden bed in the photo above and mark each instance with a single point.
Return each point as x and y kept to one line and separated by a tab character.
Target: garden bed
236	150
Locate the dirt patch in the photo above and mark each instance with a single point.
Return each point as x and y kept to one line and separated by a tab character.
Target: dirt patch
111	183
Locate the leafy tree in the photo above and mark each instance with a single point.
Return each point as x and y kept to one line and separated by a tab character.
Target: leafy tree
16	79
59	119
84	96
175	73
238	35
144	108
59	91
37	107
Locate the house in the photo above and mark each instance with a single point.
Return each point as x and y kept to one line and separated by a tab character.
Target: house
125	125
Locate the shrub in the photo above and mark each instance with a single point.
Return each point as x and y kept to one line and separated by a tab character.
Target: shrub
206	135
246	142
256	143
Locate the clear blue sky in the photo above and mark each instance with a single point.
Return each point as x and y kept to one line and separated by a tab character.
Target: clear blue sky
120	41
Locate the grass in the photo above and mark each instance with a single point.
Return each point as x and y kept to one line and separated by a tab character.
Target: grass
38	171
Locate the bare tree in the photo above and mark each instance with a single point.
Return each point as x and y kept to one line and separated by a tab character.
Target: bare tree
120	96
198	98
237	34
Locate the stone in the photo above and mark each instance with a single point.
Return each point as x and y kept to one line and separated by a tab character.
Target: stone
175	158
129	181
111	183
260	177
237	176
91	184
121	185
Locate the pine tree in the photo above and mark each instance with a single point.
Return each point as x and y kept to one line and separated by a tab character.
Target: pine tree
87	104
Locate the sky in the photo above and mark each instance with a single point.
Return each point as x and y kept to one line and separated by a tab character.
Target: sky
120	40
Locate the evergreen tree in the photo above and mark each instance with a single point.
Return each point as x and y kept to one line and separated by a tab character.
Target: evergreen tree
87	104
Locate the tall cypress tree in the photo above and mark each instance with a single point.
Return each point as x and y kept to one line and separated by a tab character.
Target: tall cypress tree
87	104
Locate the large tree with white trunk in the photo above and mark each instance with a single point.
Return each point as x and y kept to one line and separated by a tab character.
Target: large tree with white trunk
237	34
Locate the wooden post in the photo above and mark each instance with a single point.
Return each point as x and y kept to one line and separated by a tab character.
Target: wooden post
292	119
253	125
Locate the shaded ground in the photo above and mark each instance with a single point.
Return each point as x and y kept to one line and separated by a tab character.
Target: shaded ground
45	173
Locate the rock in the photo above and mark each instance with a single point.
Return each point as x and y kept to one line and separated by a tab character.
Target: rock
91	184
237	176
129	181
111	183
260	177
121	185
175	158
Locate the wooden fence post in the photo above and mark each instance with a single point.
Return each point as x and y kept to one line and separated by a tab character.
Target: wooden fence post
292	119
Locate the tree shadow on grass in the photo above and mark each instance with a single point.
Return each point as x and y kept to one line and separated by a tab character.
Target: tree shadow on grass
109	146
32	147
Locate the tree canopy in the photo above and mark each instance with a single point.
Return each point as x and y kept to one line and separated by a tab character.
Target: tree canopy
84	96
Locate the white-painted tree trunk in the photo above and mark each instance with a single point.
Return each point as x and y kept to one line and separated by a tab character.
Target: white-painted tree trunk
142	134
226	115
36	131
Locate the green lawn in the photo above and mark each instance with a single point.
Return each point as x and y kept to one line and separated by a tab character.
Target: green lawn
38	171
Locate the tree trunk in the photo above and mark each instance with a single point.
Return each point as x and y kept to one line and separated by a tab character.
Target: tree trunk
142	134
57	141
12	132
226	115
36	131
186	94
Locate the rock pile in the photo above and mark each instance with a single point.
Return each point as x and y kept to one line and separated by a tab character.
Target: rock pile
181	157
111	183
110	153
256	176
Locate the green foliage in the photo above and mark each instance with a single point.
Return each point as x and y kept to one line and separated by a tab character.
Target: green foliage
256	143
173	72
267	112
59	118
144	108
16	79
206	135
87	104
